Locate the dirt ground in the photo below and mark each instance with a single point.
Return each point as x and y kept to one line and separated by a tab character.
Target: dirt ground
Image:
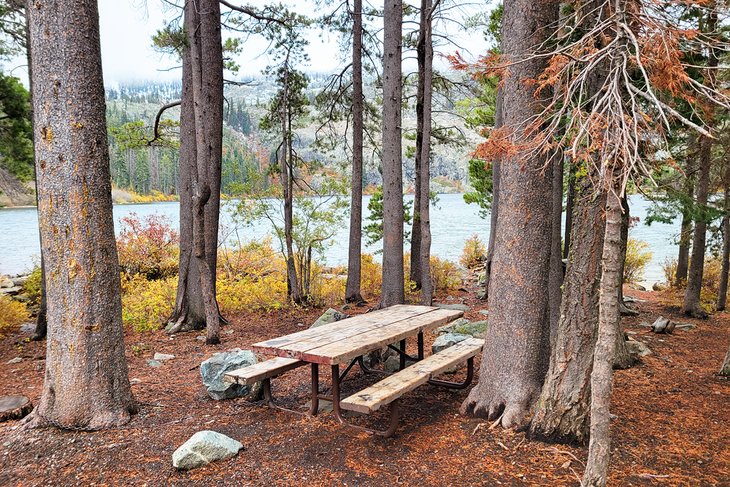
671	426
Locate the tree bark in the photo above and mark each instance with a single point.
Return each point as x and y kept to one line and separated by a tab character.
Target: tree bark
725	227
623	359
352	287
608	326
555	290
86	383
569	204
562	413
494	211
201	119
423	152
691	305
392	287
516	352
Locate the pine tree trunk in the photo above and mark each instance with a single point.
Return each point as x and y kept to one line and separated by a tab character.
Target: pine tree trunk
725	228
563	411
41	324
392	287
608	326
423	150
691	305
352	287
494	211
201	119
517	343
189	311
86	383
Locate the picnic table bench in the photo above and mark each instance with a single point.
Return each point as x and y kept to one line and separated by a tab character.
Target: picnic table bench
345	342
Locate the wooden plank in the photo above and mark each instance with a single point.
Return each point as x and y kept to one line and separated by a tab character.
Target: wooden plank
394	386
367	321
346	348
262	370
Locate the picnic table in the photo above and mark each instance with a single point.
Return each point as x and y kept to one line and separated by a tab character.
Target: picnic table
344	343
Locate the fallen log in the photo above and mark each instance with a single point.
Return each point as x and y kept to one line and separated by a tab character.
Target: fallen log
662	325
14	407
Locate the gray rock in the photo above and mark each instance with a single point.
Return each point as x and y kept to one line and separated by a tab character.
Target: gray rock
637	348
161	357
27	328
473	328
6	282
10	290
213	369
482	278
445	341
154	363
204	447
392	363
484	312
450	327
455	306
660	286
15	360
462	326
329	316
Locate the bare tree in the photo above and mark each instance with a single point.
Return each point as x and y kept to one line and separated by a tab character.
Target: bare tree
86	384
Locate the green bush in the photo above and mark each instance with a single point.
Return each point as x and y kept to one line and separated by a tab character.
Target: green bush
32	287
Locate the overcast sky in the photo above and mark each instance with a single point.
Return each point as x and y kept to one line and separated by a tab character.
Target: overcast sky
127	27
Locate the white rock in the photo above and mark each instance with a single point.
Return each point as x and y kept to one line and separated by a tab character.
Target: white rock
161	357
204	447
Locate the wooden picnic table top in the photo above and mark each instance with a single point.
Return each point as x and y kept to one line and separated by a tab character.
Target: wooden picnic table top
341	341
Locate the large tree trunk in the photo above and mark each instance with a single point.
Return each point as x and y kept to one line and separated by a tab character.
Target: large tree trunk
423	152
623	359
201	119
563	411
691	305
494	211
86	383
352	287
516	352
603	357
392	287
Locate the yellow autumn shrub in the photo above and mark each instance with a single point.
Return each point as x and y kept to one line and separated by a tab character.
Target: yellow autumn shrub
474	253
146	304
12	314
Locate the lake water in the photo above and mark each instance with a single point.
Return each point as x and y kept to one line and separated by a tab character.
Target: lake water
452	222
